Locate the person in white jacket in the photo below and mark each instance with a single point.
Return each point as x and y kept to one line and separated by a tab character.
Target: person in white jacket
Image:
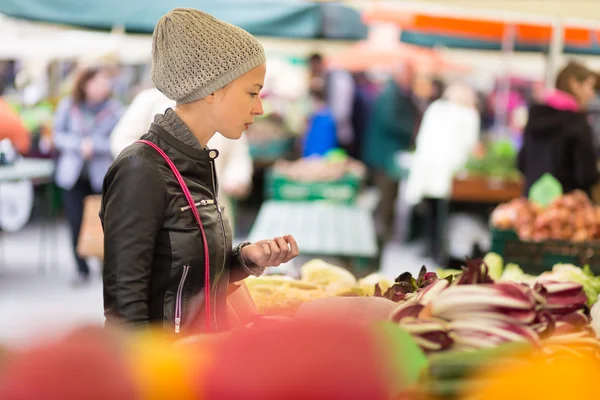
234	164
448	134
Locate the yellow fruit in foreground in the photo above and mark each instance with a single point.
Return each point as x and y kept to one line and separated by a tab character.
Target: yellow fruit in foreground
163	371
561	376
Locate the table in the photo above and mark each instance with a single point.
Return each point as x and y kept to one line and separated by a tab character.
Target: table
28	168
40	171
321	228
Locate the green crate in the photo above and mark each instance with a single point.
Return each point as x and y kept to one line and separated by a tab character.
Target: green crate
271	149
345	190
537	257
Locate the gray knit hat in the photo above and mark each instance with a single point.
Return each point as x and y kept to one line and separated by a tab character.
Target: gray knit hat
194	54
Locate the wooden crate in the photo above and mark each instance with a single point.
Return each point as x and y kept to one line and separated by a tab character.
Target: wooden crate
482	190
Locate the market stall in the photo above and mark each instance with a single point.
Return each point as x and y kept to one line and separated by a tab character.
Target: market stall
315	199
485	331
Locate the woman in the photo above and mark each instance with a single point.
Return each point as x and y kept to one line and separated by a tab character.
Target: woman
156	255
448	134
558	138
82	127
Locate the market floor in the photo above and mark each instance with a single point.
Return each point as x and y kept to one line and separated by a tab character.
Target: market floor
38	302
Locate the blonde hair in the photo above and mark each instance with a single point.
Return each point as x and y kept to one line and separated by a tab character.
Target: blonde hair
461	93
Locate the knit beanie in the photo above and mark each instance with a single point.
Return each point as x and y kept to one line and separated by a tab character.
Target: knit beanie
194	54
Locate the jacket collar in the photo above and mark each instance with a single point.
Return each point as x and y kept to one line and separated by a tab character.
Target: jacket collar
170	128
193	153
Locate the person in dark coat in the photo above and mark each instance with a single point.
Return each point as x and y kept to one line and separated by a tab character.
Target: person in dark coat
392	124
558	138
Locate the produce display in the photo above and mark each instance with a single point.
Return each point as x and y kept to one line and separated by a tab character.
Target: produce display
486	317
570	217
472	311
483	306
465	334
496	159
316	169
282	295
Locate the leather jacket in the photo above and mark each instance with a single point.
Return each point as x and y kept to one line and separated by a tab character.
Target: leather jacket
154	253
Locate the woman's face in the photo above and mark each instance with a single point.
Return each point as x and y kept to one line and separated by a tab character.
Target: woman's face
235	106
584	91
98	88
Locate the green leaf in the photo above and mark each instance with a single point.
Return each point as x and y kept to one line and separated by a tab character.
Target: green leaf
545	190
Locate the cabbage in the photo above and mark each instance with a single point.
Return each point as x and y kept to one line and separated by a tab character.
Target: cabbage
495	264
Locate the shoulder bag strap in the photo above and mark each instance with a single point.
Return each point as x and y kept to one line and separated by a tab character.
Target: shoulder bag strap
192	205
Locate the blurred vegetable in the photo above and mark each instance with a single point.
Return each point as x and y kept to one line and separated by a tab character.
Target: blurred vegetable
406	285
570	217
572	273
495	264
512	272
497	160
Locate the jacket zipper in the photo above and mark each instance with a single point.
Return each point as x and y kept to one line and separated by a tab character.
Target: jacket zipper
199	203
218	278
179	299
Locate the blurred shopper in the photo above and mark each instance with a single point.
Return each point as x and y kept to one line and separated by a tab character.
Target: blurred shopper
82	126
316	69
391	128
340	88
594	110
234	164
168	253
448	133
320	136
361	111
558	138
437	89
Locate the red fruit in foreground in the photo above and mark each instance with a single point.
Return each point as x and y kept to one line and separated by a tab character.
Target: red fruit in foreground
299	360
81	367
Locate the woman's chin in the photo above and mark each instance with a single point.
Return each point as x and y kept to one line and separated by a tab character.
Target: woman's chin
233	135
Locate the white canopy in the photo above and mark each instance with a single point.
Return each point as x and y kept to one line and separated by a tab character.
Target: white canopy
39	41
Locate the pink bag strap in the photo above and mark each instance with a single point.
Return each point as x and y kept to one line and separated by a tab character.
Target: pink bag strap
192	205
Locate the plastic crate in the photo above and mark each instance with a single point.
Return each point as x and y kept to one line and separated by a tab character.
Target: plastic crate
345	190
537	257
271	149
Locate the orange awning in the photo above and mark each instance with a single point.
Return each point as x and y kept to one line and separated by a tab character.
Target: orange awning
476	28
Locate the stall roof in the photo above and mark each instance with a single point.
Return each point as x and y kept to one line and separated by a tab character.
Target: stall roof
279	18
453	29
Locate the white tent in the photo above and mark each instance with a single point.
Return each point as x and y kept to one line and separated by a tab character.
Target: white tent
27	40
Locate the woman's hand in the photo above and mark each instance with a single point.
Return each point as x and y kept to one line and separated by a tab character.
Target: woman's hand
87	148
271	253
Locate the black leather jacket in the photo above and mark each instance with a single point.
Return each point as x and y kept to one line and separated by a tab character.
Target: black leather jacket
154	255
